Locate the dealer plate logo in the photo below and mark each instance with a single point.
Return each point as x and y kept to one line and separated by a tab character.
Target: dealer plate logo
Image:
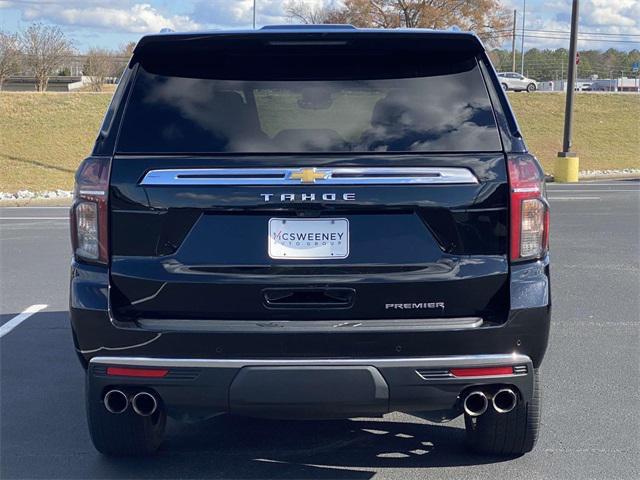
310	239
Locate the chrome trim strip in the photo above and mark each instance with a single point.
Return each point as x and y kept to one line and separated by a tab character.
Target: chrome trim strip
311	326
309	176
426	362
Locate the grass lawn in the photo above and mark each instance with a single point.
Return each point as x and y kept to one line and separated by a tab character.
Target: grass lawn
606	128
43	137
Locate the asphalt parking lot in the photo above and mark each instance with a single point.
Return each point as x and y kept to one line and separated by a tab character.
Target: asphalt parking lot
591	426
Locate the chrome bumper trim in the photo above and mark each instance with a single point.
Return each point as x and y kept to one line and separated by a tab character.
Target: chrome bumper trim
428	362
311	326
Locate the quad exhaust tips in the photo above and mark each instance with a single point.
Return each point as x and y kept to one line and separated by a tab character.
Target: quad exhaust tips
143	403
475	403
116	401
504	400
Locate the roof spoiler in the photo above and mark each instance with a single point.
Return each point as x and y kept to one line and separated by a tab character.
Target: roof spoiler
413	39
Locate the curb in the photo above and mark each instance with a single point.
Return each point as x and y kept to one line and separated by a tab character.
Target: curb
587	178
36	202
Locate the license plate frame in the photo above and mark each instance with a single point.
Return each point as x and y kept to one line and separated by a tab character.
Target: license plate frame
313	238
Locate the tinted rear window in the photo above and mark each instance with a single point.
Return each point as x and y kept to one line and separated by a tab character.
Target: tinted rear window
426	105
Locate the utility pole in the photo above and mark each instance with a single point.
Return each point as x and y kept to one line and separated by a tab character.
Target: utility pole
254	14
567	162
513	42
524	13
610	77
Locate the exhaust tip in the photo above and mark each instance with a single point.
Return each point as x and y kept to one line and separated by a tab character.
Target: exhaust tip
116	401
475	403
504	400
144	404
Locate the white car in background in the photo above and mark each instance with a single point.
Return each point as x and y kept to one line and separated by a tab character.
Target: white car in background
516	82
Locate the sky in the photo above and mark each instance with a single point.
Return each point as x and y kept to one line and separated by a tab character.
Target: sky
113	23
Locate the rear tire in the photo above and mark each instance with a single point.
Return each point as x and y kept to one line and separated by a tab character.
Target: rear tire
505	87
123	434
509	434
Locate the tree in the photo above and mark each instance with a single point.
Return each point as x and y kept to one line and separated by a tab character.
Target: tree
99	65
9	56
45	49
485	17
299	11
126	50
546	65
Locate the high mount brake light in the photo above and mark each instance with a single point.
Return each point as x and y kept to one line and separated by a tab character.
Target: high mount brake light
529	209
89	235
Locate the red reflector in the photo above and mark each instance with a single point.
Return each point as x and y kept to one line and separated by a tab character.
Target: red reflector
136	372
481	371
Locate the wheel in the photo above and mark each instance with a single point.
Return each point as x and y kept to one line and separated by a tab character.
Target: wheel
531	87
505	87
510	434
123	434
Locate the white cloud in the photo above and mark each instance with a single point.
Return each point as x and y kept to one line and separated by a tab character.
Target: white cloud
239	13
619	17
149	16
117	16
607	13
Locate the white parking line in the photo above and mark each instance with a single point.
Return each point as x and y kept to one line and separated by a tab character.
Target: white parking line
34	218
573	198
18	319
634	190
589	184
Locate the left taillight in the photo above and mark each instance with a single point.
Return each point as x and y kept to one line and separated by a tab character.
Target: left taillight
89	227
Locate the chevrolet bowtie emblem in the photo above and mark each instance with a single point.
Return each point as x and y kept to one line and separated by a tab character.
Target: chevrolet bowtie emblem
309	175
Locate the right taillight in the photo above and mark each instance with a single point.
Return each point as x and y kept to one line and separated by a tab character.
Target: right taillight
89	234
529	209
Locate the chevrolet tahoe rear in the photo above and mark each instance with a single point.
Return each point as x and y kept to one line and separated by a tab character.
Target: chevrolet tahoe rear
310	223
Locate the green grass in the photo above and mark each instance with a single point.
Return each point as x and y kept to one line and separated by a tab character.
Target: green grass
43	137
606	132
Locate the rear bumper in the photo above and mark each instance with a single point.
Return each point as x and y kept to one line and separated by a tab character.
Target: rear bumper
525	331
312	388
323	373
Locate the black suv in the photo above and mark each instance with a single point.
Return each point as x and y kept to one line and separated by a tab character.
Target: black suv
312	223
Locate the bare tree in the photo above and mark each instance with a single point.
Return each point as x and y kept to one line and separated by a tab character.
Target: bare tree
99	65
303	12
9	56
45	49
486	17
126	49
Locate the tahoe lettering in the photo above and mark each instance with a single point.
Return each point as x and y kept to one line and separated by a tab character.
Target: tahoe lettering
307	197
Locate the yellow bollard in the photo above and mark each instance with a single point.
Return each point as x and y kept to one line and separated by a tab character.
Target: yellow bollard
566	169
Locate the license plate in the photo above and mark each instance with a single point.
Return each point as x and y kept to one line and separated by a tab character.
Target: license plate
309	239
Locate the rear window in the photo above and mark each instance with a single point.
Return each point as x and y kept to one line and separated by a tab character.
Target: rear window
421	107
